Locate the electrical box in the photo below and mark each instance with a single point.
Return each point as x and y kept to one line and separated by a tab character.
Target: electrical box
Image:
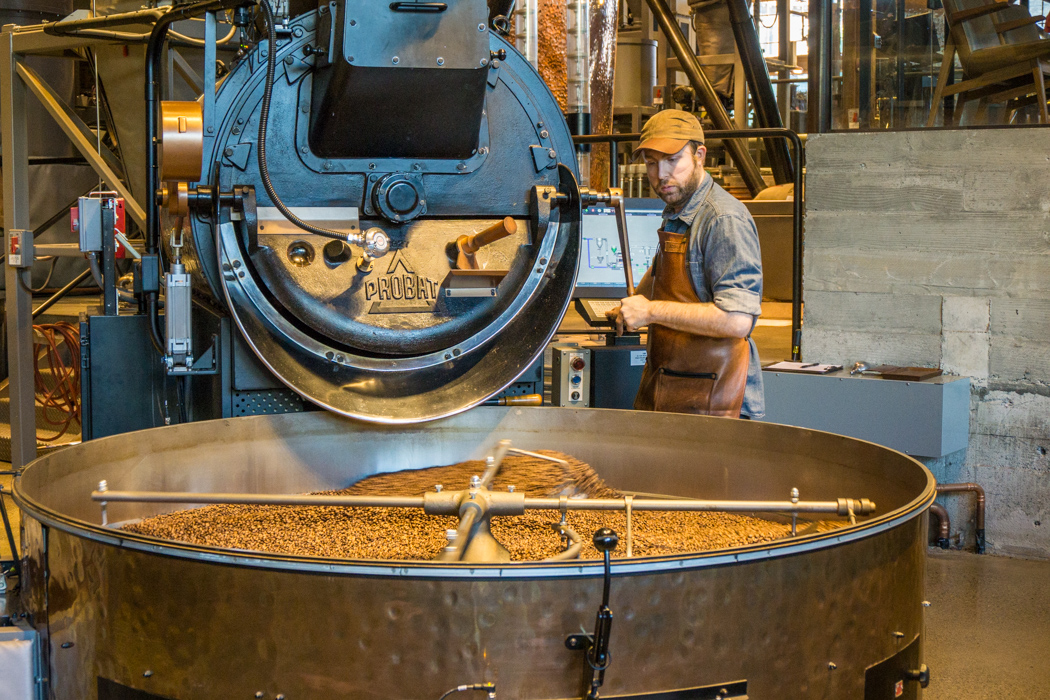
616	373
86	221
570	376
20	248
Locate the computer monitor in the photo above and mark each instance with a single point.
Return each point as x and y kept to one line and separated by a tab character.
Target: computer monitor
601	262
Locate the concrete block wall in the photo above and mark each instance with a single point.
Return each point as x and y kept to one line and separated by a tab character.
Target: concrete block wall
933	248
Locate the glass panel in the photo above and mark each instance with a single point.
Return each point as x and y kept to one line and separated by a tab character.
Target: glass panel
887	57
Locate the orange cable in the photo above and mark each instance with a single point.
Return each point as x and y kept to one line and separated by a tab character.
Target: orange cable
64	395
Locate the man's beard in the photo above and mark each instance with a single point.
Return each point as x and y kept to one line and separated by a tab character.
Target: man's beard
681	194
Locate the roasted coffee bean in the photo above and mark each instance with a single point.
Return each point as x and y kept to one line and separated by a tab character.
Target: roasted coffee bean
408	533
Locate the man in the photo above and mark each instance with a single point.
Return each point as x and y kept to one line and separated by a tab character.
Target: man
701	297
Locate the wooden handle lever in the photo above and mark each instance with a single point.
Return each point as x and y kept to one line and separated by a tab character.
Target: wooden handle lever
502	229
466	246
519	400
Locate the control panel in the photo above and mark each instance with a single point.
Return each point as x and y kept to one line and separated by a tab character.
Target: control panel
570	376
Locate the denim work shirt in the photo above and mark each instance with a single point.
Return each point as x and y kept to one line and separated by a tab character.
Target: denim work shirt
725	263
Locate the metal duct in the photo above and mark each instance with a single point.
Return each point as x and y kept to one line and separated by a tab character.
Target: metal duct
636	74
714	37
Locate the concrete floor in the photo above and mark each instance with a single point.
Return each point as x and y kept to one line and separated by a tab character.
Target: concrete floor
987	627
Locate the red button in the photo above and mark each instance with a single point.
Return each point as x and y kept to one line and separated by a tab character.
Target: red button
577	363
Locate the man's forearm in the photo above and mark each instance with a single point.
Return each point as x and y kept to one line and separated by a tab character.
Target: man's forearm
700	319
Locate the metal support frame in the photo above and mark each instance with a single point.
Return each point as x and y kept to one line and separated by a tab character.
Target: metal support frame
16	81
18	302
799	156
78	133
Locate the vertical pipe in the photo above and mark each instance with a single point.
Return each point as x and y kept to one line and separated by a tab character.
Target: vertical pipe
577	58
18	302
691	67
979	514
898	113
765	102
578	68
784	54
796	250
866	51
209	75
944	526
818	117
527	31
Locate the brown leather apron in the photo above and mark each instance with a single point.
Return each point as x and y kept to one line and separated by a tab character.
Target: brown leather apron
687	373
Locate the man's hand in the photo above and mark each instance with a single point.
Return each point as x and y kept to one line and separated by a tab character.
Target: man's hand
633	313
636	312
614	316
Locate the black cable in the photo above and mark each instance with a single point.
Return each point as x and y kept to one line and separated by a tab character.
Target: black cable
154	334
489	687
28	286
50	274
180	398
187	399
264	116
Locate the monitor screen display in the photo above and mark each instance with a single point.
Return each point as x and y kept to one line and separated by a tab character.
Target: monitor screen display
601	260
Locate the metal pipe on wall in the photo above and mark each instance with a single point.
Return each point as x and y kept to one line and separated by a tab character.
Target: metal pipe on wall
818	118
970	487
944	524
765	102
709	98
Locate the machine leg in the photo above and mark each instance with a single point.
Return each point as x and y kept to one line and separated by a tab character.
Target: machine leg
19	303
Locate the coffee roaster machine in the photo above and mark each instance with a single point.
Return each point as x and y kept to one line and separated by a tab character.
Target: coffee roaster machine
380	202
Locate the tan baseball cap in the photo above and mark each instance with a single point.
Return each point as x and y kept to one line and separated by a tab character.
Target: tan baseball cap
669	131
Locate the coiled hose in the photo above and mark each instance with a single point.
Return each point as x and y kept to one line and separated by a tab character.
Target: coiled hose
63	396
